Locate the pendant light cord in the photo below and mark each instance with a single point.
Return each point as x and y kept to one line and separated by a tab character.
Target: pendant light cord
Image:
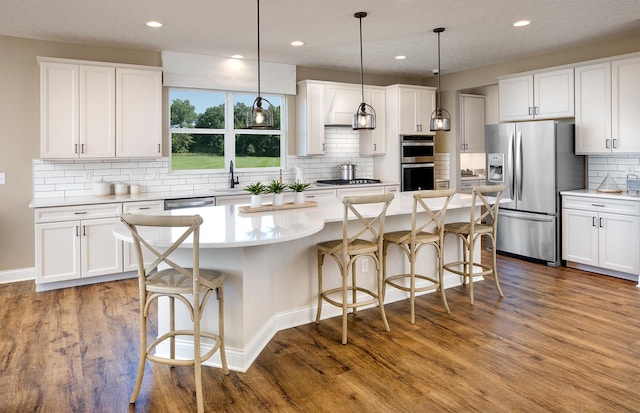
439	92
258	1
361	61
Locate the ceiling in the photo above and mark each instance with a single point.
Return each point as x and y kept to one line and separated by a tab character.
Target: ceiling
478	33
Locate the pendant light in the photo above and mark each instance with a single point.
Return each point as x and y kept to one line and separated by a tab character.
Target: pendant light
363	119
260	116
440	118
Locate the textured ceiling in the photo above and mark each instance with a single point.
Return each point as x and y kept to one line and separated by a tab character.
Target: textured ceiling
478	32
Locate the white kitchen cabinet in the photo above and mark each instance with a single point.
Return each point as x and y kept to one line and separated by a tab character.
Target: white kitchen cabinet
138	113
467	185
472	123
310	114
541	95
412	107
98	110
245	198
77	242
374	142
130	260
601	234
442	184
607	106
360	190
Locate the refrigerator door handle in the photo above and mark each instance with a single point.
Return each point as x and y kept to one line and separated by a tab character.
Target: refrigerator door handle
511	161
519	167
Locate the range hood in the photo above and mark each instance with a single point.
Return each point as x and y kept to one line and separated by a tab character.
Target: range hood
342	105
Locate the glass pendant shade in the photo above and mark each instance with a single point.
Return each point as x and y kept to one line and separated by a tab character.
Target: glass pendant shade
261	115
440	120
363	119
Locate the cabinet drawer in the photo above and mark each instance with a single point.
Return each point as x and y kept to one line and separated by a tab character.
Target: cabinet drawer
56	214
142	206
612	206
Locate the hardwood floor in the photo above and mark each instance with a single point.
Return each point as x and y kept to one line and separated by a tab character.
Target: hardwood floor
561	340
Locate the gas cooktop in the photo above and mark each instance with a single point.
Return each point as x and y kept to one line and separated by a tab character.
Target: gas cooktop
349	181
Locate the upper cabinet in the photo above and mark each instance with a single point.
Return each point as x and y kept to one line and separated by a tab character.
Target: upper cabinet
374	142
310	113
543	95
472	123
607	106
412	105
98	110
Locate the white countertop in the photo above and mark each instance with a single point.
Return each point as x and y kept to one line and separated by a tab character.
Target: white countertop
225	226
472	177
156	196
608	195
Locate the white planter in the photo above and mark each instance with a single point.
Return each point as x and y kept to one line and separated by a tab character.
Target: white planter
298	197
278	199
256	200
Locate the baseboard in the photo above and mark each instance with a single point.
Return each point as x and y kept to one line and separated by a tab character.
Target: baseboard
12	276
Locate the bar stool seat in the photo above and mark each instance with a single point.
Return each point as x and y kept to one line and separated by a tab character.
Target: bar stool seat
346	252
427	230
483	223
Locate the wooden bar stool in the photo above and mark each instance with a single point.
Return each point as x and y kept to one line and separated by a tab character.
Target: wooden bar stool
176	282
427	229
351	248
471	232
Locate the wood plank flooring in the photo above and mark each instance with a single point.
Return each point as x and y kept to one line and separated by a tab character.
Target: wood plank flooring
561	340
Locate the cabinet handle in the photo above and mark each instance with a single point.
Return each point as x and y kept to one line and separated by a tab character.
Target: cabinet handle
159	148
82	148
606	143
77	231
593	221
536	110
141	208
601	226
75	148
599	205
84	230
323	147
530	110
614	143
80	213
374	147
310	196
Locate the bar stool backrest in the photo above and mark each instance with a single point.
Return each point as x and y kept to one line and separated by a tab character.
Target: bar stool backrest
365	226
490	207
423	218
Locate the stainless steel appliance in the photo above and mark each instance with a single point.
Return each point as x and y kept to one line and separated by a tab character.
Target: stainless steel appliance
536	160
359	181
417	163
196	202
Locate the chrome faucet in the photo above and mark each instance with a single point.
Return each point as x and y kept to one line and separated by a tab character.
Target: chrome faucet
235	181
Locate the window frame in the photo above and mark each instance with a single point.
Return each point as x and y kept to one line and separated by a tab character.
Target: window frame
229	133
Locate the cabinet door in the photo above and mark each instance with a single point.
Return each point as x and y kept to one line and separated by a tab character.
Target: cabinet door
626	105
234	199
553	94
472	122
619	242
130	262
97	112
580	236
138	113
426	105
374	142
516	98
593	109
408	112
101	250
58	110
310	112
58	251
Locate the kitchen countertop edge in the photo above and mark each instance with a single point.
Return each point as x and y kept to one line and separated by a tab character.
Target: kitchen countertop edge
608	195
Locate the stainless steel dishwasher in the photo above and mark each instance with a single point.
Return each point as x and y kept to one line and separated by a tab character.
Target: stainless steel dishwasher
195	202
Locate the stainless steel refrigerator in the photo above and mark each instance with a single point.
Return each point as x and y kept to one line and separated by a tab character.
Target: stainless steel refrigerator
536	160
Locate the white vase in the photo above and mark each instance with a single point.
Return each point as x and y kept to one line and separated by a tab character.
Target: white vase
256	200
278	199
298	197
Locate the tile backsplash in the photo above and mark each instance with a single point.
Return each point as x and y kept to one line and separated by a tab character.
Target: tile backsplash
618	166
67	178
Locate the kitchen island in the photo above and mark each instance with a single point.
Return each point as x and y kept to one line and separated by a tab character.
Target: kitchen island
271	265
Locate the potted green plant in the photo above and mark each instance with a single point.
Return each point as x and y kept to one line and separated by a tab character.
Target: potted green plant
298	188
256	190
277	188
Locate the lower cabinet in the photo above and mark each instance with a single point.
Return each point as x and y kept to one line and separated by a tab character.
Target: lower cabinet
77	242
130	260
467	185
601	233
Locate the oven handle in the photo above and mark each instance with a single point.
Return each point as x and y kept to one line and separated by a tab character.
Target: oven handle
418	165
413	143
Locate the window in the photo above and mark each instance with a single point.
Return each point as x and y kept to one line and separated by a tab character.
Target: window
206	134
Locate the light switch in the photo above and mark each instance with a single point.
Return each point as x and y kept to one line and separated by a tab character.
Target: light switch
3	178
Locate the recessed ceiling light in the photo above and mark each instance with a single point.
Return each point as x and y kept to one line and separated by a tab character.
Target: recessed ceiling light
297	43
237	56
521	23
401	57
154	24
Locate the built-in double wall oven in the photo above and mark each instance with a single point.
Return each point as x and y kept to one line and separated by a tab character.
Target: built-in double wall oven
417	163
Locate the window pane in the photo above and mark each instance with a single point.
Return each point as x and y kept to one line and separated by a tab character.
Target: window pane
257	151
242	103
197	109
197	151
